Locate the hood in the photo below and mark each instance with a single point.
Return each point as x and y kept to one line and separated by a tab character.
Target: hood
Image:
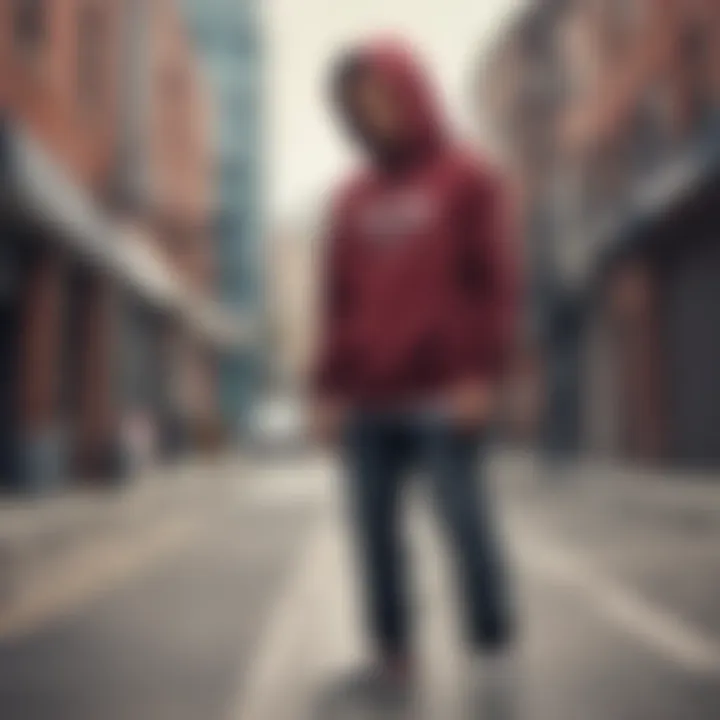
419	107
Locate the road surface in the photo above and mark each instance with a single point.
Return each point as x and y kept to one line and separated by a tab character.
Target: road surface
242	606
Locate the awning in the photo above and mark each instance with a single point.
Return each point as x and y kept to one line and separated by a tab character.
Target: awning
212	321
141	266
34	187
650	202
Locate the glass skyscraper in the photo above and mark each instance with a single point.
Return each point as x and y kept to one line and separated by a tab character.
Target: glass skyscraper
228	37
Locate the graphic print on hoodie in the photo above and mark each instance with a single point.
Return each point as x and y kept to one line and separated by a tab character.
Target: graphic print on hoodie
419	271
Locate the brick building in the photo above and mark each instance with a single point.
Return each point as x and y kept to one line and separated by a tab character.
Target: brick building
612	126
106	284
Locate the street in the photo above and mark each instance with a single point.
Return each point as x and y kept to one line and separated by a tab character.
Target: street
242	605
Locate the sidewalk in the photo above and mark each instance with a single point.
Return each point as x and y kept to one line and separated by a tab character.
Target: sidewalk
41	532
681	498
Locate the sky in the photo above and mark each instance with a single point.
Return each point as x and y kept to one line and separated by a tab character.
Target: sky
306	151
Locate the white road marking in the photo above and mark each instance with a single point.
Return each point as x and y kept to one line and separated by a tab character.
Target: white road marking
310	631
265	694
658	629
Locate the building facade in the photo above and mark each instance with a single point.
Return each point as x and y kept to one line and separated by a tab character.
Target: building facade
228	37
166	196
105	146
53	103
619	198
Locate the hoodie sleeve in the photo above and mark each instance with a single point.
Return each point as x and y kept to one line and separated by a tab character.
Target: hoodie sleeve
489	275
335	304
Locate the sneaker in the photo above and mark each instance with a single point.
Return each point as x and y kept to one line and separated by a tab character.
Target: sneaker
385	688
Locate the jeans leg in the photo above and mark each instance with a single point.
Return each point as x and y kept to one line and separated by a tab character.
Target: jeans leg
463	504
376	462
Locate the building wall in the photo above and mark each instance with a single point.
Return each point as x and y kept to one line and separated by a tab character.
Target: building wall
693	350
62	81
634	85
513	97
643	59
60	74
182	154
69	79
182	191
653	93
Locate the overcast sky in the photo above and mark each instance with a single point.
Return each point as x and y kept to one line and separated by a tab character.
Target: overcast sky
305	151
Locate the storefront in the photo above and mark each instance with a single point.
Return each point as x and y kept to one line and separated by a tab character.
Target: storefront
692	332
653	390
20	264
87	313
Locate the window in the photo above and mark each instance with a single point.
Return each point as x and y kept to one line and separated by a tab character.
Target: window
29	18
91	46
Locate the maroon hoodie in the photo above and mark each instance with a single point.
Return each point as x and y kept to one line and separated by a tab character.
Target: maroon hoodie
419	274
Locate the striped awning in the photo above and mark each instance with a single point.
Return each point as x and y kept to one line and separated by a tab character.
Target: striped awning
36	188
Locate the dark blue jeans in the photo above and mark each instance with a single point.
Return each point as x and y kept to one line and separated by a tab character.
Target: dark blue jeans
381	452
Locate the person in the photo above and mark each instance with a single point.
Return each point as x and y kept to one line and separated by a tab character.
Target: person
417	319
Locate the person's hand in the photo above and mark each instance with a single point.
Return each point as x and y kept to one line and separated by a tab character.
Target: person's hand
327	418
470	404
